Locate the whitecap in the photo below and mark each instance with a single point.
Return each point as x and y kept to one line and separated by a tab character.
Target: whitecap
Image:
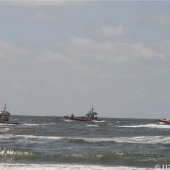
5	130
8	136
92	125
130	139
30	124
6	166
39	137
159	126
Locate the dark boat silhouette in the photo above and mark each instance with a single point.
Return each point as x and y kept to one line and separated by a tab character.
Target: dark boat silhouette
5	117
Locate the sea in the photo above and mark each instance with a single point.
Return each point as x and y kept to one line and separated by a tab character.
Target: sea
53	143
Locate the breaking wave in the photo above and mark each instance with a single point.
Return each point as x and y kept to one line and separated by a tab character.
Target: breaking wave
131	139
8	155
51	143
126	139
158	126
92	125
37	124
5	130
7	166
10	136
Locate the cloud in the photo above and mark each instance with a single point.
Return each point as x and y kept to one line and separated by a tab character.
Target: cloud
114	30
161	19
111	52
164	47
48	56
37	3
10	53
87	57
83	50
47	17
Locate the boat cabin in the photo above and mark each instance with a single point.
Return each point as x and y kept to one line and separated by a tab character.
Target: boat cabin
91	114
4	115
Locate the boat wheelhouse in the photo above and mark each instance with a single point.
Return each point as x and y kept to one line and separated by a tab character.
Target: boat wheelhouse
91	114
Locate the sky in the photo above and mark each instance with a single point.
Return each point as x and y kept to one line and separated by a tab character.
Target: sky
63	57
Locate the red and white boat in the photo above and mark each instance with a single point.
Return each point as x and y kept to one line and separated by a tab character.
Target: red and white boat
90	116
166	121
78	118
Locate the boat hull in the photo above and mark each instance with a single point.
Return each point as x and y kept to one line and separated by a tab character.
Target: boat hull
82	118
8	122
78	118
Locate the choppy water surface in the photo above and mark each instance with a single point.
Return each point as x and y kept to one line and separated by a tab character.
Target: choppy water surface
53	143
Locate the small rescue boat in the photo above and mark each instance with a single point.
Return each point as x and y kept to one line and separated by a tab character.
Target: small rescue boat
5	117
90	116
166	121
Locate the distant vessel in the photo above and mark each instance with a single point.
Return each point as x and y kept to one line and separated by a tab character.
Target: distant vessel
5	117
90	116
166	121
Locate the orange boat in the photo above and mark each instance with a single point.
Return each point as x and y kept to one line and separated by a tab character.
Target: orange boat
90	116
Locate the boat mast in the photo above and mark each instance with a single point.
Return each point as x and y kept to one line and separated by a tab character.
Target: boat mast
5	107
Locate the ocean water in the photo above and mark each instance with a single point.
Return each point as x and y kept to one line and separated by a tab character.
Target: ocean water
48	143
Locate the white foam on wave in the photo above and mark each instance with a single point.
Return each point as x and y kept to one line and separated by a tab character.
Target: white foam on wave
98	121
144	139
126	139
132	139
7	136
31	124
5	124
11	152
4	129
158	126
37	124
92	125
6	166
39	137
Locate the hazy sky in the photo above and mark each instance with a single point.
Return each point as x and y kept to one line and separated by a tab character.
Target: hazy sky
62	57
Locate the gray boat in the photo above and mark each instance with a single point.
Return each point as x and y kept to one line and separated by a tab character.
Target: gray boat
5	117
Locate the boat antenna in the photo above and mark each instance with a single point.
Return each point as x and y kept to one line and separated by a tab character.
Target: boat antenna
92	109
5	107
